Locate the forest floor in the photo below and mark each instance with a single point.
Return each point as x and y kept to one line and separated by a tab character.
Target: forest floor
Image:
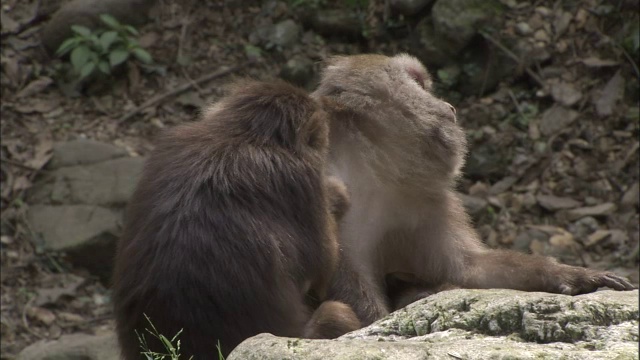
531	202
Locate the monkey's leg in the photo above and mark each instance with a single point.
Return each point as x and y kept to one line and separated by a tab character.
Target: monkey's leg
351	287
514	270
330	320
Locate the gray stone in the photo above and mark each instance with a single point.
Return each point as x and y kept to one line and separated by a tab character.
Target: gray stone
73	347
88	234
335	22
557	118
284	33
83	152
86	12
107	183
480	324
409	7
459	20
430	47
298	70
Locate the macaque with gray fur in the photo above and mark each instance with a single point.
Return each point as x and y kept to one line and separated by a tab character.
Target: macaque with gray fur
399	150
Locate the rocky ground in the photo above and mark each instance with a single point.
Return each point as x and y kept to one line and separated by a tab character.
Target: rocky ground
547	90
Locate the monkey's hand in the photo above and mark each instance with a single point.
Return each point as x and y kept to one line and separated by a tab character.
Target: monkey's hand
576	280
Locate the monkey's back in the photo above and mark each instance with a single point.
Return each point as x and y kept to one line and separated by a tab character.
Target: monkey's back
219	239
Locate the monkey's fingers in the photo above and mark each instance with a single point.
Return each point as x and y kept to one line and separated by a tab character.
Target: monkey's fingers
616	282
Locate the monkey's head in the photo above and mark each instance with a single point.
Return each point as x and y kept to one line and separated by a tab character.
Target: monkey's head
410	137
275	114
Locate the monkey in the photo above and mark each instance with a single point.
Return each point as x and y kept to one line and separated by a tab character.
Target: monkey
400	150
231	226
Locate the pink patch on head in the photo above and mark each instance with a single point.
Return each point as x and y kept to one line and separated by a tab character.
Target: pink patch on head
416	74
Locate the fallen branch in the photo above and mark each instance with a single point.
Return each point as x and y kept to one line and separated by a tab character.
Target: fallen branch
182	88
515	58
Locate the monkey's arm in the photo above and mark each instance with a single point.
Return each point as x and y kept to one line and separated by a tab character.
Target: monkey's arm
514	270
352	288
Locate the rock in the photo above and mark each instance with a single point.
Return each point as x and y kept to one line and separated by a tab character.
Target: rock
76	346
479	324
107	183
565	93
431	48
83	152
284	34
474	205
522	242
334	22
557	118
522	28
459	20
88	234
584	226
298	70
409	7
554	203
597	210
86	12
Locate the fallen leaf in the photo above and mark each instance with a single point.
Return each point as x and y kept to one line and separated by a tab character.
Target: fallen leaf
8	24
554	203
35	86
606	99
47	296
11	68
597	62
565	93
557	118
21	183
42	315
42	153
597	210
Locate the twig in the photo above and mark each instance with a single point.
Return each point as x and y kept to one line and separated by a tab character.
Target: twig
515	58
515	102
20	165
182	88
25	322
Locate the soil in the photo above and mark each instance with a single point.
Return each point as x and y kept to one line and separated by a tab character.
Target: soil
524	171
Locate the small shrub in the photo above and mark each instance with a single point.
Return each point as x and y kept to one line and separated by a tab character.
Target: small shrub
101	50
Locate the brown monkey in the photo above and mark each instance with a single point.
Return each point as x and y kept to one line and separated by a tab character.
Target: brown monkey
230	227
399	151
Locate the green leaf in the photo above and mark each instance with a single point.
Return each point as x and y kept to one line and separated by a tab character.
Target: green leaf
81	30
67	45
87	69
110	21
108	38
132	30
142	55
104	67
80	56
117	57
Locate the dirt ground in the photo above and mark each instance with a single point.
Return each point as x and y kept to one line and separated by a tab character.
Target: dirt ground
594	160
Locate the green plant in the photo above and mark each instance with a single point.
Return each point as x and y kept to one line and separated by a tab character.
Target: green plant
171	346
103	49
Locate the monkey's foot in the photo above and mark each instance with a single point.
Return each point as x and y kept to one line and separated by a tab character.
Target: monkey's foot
581	281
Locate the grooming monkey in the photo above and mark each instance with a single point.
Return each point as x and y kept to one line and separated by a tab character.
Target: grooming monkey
399	151
232	226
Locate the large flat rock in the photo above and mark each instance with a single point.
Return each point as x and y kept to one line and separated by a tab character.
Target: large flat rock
479	324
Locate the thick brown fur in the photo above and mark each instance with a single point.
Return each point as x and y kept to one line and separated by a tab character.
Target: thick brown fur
399	150
231	226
